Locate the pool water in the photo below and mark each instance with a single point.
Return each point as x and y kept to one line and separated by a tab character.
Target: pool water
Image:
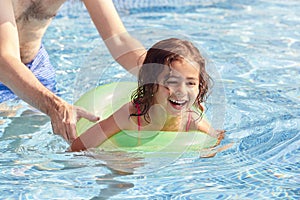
253	47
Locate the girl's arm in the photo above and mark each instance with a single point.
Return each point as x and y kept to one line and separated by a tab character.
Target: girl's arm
96	135
204	126
103	130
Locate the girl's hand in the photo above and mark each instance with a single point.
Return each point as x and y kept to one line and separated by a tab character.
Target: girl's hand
219	134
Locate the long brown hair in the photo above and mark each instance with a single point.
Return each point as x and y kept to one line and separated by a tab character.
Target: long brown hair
160	55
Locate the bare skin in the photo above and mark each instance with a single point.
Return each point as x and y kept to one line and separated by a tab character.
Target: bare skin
33	18
23	24
166	115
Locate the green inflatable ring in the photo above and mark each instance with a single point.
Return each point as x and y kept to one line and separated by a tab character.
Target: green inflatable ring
105	99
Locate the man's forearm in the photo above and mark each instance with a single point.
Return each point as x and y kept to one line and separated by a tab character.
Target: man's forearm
125	49
25	85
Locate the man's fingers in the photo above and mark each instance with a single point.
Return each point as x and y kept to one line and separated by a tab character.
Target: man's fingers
68	131
59	129
79	113
73	133
87	115
64	123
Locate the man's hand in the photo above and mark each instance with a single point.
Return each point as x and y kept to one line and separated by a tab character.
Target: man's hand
65	117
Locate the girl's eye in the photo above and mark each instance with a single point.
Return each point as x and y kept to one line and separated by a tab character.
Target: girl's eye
171	82
191	83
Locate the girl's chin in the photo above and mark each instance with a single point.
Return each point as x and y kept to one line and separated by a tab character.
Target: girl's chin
175	110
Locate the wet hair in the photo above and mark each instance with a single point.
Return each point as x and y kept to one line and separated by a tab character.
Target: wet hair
160	55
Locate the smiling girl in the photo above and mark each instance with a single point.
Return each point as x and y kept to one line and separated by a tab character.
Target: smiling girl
172	85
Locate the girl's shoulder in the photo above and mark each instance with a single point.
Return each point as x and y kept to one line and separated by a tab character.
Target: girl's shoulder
200	122
124	116
126	110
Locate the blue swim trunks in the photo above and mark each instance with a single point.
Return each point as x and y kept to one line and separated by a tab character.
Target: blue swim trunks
41	68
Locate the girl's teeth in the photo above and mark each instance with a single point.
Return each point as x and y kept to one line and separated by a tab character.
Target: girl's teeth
177	102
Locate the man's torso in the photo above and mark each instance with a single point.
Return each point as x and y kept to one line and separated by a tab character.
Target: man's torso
33	17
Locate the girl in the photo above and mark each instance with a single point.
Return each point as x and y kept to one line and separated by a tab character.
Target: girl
172	84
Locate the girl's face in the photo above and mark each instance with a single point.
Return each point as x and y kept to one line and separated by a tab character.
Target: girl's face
178	88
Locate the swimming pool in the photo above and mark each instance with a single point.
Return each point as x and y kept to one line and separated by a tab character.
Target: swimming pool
254	47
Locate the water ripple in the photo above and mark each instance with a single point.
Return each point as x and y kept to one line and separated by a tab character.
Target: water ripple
255	47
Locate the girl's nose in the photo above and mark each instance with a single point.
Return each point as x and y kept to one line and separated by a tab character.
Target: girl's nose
180	90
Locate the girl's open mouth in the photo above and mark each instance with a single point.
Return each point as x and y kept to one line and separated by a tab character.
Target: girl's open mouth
177	104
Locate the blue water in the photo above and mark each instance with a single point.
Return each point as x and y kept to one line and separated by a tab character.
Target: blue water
253	47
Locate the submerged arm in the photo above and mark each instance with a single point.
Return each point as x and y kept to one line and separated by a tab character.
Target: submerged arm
125	49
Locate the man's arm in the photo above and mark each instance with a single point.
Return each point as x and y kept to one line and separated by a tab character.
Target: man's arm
125	49
15	75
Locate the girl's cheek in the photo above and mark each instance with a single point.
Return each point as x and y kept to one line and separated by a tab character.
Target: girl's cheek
166	90
162	94
194	93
